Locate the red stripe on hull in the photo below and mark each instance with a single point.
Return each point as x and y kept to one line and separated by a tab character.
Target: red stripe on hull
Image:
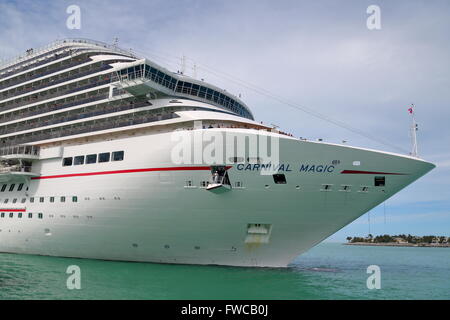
12	210
371	172
125	171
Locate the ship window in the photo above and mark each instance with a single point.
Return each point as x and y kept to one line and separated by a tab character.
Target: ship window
52	199
23	200
74	199
11	188
67	162
40	215
19	215
3	215
78	160
203	184
6	201
91	158
14	200
30	215
63	199
380	181
41	199
117	156
3	188
31	200
11	214
20	187
279	178
103	157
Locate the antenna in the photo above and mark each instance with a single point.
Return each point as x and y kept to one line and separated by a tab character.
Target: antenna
183	64
414	129
116	42
194	69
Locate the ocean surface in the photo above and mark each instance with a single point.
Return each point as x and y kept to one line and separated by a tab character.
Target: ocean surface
328	271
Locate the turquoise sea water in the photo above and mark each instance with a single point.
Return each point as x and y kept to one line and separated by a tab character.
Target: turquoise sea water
328	271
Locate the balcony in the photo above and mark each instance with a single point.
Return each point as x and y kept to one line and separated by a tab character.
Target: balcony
19	152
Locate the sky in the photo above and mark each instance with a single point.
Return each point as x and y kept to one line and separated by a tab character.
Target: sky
319	55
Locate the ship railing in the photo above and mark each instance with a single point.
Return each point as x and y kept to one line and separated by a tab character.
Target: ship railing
15	168
43	74
19	150
30	89
141	75
35	97
61	43
53	107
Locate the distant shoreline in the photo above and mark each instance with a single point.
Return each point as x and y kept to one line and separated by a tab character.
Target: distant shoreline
394	244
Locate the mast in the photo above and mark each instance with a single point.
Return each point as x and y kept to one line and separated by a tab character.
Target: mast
414	129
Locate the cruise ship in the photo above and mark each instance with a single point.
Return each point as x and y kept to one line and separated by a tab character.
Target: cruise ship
107	155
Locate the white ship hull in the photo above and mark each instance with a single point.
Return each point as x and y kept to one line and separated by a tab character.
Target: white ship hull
140	209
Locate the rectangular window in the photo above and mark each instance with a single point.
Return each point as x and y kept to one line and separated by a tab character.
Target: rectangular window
11	188
19	215
11	214
52	199
103	157
67	162
41	199
3	188
3	215
14	200
20	187
31	199
40	215
6	201
30	215
279	178
117	156
63	199
23	200
78	160
74	199
380	181
91	158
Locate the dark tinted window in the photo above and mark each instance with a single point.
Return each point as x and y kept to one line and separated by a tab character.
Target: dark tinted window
103	157
11	188
279	178
78	160
4	187
91	158
67	162
117	156
380	181
20	187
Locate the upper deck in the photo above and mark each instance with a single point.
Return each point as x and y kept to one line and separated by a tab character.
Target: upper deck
78	86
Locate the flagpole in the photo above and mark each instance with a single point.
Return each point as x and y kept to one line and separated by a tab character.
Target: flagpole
414	129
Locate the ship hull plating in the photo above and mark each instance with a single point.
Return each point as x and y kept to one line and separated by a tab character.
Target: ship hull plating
148	208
